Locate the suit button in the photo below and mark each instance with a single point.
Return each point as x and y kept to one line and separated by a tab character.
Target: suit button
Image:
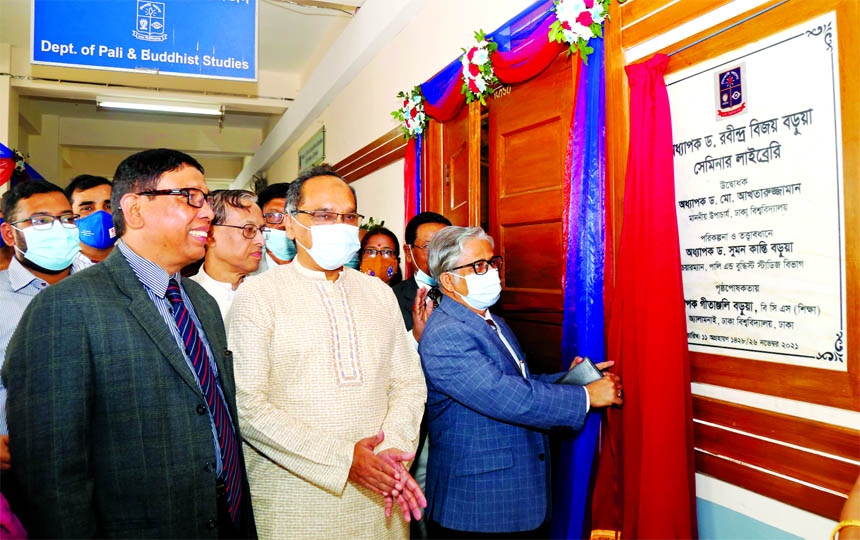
211	524
209	467
201	409
540	457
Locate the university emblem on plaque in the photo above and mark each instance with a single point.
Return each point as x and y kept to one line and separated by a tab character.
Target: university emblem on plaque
149	25
730	91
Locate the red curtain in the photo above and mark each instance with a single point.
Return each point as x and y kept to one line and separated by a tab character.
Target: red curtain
646	482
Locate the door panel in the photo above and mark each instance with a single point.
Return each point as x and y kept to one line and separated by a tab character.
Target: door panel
529	130
452	172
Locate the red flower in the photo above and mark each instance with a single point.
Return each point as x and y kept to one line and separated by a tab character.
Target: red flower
471	53
473	87
589	4
405	103
474	70
413	112
565	25
584	18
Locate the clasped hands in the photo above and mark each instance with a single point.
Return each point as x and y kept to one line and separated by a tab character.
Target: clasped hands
386	474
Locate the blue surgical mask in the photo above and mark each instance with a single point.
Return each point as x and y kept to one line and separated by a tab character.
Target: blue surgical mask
280	244
421	277
484	289
333	245
96	230
52	249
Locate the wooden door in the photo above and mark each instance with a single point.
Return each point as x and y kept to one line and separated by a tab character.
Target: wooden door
452	179
529	127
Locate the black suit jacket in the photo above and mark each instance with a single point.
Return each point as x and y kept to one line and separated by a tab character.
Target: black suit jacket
405	292
108	428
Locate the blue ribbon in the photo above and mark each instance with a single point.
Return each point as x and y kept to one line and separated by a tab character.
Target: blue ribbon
583	325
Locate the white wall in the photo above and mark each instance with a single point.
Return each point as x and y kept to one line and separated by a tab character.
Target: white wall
362	111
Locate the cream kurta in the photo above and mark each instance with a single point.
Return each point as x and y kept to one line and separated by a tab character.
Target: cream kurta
320	365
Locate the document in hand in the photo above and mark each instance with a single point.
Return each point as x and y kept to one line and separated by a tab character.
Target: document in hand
581	374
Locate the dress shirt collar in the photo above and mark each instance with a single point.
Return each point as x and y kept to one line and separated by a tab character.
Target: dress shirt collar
20	277
153	277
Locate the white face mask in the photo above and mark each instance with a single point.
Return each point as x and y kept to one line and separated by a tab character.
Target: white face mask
420	276
333	245
484	289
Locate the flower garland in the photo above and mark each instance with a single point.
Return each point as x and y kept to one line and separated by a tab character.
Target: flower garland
411	114
576	22
478	75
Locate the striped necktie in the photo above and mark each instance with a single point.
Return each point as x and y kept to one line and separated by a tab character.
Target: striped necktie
231	469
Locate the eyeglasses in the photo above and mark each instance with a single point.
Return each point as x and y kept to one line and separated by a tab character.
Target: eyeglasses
193	196
321	217
482	266
422	248
43	222
249	231
385	253
273	218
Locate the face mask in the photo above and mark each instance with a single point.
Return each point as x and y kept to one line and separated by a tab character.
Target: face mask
96	230
379	267
420	276
53	249
280	244
484	289
333	245
354	262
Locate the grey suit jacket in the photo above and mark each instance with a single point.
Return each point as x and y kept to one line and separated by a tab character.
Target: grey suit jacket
108	428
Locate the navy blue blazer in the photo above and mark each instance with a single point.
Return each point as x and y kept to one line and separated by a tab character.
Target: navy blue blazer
488	468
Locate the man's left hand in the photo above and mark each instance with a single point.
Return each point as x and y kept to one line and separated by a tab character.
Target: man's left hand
410	499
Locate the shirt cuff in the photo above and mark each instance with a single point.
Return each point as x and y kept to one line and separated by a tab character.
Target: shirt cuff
587	401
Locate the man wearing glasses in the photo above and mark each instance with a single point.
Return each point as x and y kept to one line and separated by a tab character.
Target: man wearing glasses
40	227
121	396
330	389
234	247
280	249
419	232
489	454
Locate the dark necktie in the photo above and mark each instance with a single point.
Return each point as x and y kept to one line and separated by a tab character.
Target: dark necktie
519	362
231	470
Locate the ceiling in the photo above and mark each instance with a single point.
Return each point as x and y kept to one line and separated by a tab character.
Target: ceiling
293	37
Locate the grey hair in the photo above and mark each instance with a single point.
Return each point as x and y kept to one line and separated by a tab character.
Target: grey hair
447	245
221	199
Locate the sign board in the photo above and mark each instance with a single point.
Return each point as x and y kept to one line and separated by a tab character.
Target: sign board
201	38
758	183
312	152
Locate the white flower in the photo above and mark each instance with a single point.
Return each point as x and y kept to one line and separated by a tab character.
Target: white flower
481	83
481	56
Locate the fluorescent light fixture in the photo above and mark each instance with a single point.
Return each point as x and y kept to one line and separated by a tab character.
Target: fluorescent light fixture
151	105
